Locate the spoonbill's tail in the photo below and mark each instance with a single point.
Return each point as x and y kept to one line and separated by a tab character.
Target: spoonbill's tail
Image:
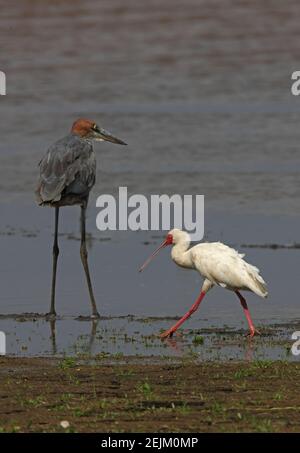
256	282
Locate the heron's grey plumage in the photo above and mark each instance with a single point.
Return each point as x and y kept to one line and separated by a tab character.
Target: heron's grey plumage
67	175
67	172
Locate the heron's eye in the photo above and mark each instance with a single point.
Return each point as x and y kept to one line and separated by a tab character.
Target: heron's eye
94	127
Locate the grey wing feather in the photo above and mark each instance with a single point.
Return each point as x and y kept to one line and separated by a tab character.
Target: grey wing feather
65	161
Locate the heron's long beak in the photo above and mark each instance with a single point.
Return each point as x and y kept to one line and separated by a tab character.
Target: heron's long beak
164	244
102	134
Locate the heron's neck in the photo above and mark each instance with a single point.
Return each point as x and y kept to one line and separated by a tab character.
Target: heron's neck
181	255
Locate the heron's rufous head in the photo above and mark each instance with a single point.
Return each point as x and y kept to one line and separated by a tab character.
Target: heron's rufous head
167	241
89	130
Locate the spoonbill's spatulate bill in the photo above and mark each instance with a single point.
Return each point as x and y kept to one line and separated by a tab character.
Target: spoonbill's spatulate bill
67	175
219	265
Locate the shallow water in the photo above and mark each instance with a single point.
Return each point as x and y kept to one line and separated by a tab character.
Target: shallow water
26	260
129	336
202	95
200	92
126	298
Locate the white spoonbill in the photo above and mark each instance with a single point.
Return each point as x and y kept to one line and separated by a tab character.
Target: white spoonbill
219	265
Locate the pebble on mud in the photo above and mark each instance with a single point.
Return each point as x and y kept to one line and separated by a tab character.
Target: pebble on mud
65	424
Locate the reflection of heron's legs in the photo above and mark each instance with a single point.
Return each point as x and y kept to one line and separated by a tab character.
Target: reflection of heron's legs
55	257
93	333
84	256
53	336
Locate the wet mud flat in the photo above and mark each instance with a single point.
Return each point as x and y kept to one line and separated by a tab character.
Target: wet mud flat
32	335
130	395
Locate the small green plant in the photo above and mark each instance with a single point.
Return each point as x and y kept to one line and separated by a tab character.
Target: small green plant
262	364
217	408
79	412
183	409
262	425
67	362
102	355
65	397
103	404
145	388
126	373
35	402
242	373
198	340
278	396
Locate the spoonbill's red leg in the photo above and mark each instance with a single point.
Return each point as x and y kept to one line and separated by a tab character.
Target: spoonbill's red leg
194	307
253	330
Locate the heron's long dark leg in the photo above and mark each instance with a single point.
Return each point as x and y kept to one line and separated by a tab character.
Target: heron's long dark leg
84	259
55	257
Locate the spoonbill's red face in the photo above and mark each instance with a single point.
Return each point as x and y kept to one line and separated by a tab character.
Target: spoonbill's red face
167	241
91	131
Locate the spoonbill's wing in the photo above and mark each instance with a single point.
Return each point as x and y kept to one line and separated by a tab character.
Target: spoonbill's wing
225	266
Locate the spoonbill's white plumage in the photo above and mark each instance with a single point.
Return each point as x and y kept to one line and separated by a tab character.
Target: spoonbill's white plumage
219	265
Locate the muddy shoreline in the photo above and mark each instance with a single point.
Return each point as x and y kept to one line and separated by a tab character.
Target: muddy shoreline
37	394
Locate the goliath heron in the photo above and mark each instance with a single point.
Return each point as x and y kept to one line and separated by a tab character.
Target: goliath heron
67	174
